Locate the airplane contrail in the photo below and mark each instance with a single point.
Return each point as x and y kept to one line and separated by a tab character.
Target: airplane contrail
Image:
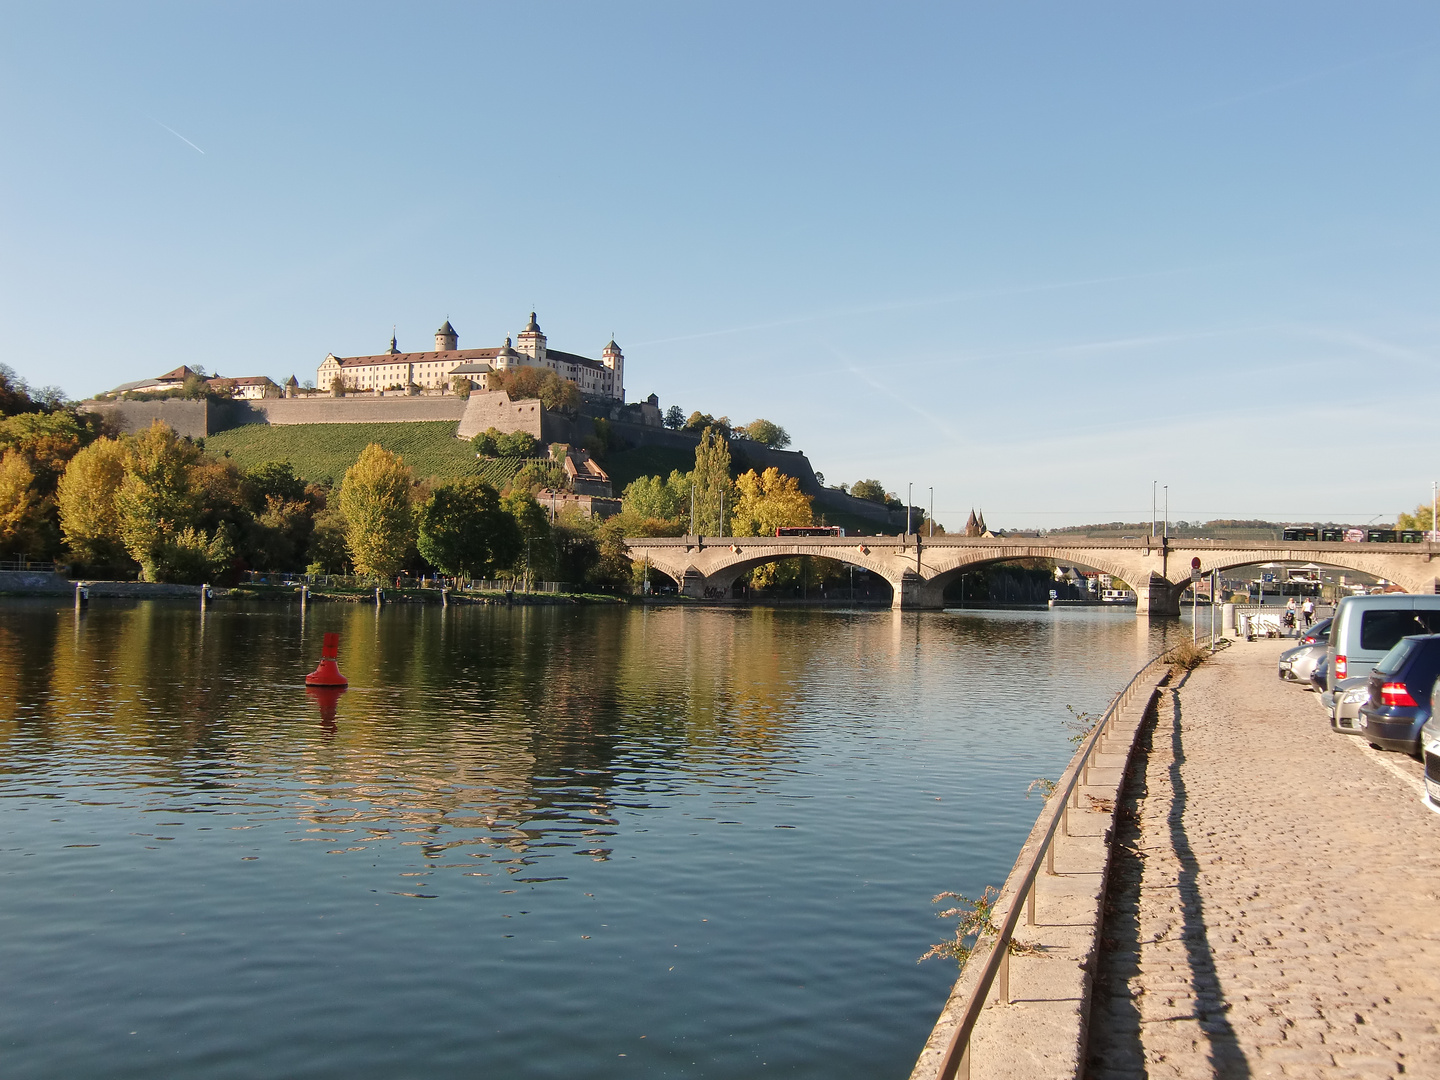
177	135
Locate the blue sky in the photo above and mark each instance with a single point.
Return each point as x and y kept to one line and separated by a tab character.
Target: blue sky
1033	255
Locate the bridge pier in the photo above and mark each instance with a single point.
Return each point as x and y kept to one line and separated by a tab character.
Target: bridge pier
692	583
916	593
1158	597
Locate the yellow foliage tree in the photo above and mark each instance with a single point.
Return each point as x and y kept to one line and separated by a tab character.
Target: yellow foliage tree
18	502
86	501
379	515
155	500
765	502
768	501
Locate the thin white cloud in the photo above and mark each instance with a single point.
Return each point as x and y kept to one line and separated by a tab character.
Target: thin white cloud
177	135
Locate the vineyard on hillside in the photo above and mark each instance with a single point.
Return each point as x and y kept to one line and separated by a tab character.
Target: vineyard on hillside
322	452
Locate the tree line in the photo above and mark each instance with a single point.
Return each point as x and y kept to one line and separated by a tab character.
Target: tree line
153	504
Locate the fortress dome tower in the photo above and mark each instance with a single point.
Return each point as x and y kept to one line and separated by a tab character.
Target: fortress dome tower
446	340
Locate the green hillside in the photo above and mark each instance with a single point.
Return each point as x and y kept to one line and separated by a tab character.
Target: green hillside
322	452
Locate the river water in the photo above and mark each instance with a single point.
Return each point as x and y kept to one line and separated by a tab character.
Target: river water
531	842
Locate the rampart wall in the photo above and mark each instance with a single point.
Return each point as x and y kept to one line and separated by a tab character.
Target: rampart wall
346	410
495	409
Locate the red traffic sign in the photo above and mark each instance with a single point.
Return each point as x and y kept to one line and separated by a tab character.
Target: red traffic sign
1195	563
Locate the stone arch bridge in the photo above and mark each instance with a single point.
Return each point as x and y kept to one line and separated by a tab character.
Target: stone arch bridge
919	568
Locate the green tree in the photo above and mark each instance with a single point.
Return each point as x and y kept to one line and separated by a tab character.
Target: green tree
534	525
155	501
869	489
460	386
327	550
516	444
465	532
714	493
540	475
85	496
653	497
192	558
674	418
768	434
379	519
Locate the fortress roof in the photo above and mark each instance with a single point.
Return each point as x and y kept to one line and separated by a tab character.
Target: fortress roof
417	357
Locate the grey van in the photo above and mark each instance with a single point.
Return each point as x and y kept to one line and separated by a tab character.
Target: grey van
1364	629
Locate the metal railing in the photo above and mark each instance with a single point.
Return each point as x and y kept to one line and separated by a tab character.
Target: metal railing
29	565
955	1065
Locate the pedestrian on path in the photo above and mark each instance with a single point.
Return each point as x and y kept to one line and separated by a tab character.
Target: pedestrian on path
1308	610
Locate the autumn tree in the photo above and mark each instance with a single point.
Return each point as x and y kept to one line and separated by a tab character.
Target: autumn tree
19	503
379	519
85	496
768	501
465	532
1420	519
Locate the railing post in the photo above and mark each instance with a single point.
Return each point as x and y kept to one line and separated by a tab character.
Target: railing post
1030	902
963	1071
1005	972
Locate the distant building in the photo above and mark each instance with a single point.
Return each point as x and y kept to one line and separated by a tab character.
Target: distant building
598	380
246	387
975	526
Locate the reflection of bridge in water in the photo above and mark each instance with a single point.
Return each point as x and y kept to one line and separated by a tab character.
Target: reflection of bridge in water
919	568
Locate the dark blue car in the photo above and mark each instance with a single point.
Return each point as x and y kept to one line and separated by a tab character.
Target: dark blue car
1399	702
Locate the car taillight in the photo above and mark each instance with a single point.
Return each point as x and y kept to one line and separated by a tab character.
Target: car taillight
1339	667
1395	693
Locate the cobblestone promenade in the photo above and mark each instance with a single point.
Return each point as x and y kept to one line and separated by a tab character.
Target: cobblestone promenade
1274	908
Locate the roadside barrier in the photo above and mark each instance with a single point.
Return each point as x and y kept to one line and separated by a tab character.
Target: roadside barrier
955	1064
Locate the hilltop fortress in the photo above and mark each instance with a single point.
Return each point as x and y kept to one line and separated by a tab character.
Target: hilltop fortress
600	380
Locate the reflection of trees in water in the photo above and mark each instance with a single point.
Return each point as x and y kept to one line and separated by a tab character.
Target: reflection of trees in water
508	733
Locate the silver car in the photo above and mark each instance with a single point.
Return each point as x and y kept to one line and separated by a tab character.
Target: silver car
1298	664
1344	704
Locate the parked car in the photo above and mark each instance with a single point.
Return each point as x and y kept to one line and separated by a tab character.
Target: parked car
1296	664
1365	628
1320	632
1349	696
1430	749
1401	685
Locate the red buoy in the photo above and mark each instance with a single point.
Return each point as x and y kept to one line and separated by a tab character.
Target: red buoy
327	674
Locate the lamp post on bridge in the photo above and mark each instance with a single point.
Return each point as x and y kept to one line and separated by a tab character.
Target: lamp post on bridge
909	498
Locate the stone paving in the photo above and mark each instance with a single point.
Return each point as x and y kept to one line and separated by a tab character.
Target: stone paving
1274	903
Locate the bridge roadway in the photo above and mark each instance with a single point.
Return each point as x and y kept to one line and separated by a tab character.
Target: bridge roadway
919	568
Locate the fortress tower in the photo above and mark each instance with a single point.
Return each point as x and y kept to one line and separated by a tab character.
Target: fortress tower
532	341
614	359
446	339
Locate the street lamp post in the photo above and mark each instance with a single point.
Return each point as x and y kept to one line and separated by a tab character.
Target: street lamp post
932	511
909	498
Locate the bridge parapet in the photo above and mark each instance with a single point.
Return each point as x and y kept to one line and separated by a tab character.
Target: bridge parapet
918	568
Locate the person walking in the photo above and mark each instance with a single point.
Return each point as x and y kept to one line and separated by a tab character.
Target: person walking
1290	614
1308	610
